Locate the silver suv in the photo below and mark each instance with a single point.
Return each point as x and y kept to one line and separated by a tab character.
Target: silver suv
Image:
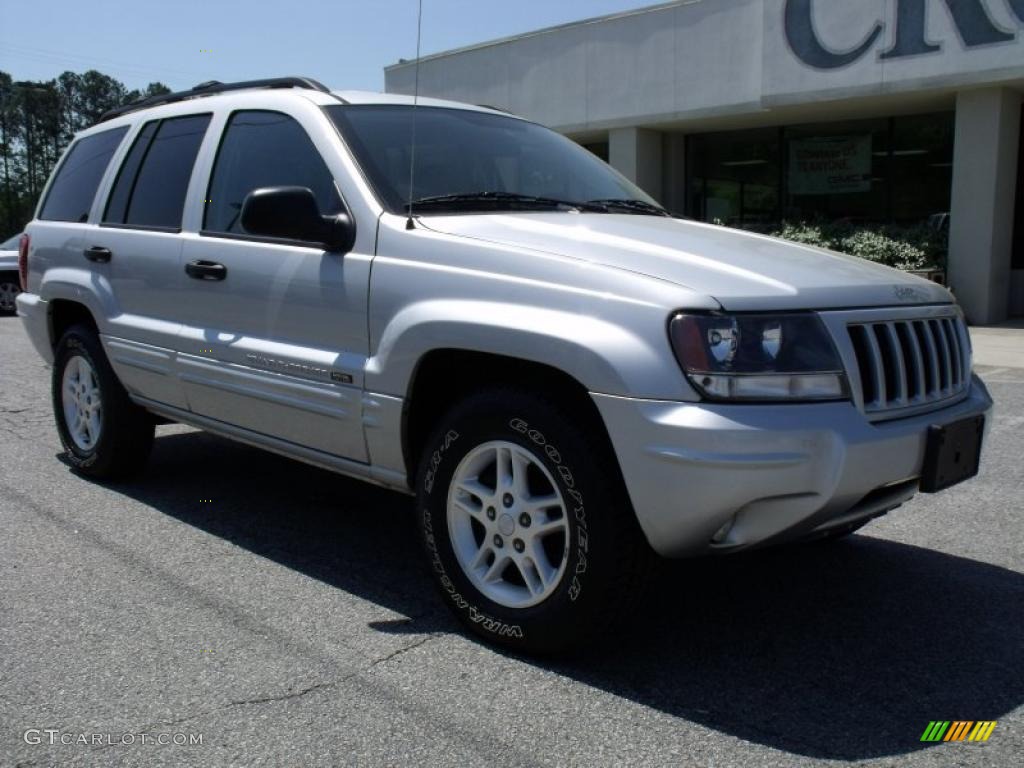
563	375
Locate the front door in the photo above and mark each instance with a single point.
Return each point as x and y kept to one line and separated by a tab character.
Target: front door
275	342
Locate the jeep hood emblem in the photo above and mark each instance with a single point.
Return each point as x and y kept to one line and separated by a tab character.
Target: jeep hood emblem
907	293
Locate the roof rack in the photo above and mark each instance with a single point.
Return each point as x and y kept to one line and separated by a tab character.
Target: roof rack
211	87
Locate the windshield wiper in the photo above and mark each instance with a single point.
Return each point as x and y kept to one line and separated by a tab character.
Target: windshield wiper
630	206
500	199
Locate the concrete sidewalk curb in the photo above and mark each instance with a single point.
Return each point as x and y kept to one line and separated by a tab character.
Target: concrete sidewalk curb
999	345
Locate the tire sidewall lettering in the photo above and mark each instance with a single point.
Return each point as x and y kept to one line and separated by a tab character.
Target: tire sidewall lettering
537	437
472	612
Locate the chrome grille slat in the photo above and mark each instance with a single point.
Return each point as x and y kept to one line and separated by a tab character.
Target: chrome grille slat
954	343
910	362
875	364
933	353
944	352
900	364
917	361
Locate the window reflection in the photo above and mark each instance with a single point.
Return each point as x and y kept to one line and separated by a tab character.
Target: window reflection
878	171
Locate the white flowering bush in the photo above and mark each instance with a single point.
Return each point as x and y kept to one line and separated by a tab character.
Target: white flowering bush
914	248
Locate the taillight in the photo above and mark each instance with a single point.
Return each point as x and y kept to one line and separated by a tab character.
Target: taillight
23	261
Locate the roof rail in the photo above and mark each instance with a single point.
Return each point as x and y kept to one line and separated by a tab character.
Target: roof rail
211	87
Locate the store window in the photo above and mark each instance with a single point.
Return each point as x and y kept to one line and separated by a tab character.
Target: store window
599	148
878	171
735	178
921	168
837	171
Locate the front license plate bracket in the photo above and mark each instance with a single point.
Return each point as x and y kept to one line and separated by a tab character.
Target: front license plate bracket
952	454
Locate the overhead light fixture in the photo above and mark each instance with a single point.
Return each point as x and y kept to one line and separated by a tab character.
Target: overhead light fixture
902	153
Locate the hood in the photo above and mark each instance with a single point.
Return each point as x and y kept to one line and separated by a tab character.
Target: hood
740	270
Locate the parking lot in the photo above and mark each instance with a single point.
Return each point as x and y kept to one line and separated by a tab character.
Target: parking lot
284	614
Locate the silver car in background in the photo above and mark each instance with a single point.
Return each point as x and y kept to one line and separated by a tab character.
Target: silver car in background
10	286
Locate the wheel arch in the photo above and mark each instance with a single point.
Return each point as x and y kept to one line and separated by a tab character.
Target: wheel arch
64	313
80	294
444	376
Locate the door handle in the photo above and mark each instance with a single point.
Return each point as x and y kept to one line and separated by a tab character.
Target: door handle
206	270
98	254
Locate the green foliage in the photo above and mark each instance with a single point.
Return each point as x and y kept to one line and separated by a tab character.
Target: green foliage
37	122
908	248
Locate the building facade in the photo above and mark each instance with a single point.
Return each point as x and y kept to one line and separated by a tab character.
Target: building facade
754	112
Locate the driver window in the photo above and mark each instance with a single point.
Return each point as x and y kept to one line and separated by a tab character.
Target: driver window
264	149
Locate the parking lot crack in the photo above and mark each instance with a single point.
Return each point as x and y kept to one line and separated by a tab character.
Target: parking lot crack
400	651
255	700
282	697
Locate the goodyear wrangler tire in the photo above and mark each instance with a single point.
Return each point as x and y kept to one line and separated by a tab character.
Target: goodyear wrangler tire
105	435
529	535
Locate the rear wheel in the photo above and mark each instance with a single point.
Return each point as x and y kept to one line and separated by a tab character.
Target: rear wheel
10	287
529	534
105	435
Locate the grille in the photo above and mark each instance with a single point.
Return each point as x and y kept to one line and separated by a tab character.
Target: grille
910	363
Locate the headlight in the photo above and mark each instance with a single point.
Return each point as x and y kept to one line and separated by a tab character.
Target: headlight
759	357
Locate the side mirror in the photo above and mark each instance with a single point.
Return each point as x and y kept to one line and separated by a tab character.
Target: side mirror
291	213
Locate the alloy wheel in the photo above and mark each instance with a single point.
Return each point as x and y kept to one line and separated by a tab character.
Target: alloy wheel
83	406
508	524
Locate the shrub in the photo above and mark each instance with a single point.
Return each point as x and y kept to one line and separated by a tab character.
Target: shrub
907	248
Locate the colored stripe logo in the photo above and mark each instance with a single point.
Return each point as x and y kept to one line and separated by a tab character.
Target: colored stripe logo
958	730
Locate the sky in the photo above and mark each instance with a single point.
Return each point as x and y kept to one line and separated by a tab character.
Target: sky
342	43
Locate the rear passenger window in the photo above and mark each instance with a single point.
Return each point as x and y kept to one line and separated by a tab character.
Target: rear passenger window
151	185
264	149
73	189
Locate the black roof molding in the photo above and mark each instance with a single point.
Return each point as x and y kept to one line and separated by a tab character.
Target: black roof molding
211	87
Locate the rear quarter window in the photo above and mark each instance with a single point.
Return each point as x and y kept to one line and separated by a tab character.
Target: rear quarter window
74	187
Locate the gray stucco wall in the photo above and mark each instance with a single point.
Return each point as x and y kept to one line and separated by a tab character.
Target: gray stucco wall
700	58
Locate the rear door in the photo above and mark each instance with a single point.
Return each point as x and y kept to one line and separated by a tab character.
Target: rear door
138	244
61	231
275	341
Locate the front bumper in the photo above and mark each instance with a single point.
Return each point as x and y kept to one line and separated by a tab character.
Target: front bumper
780	472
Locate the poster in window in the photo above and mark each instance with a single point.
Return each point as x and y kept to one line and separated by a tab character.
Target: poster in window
833	165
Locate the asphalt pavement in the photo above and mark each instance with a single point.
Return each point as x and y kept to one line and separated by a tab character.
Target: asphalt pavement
283	616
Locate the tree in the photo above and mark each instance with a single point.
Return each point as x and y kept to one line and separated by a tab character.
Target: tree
7	118
100	93
37	122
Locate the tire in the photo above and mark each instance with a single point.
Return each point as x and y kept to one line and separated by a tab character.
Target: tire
590	548
10	287
117	435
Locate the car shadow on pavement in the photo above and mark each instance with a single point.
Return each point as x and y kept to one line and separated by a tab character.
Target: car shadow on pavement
843	651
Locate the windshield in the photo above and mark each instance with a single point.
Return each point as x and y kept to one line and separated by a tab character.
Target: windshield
465	158
12	244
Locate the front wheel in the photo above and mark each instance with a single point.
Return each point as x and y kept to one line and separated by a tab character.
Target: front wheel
527	528
105	435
